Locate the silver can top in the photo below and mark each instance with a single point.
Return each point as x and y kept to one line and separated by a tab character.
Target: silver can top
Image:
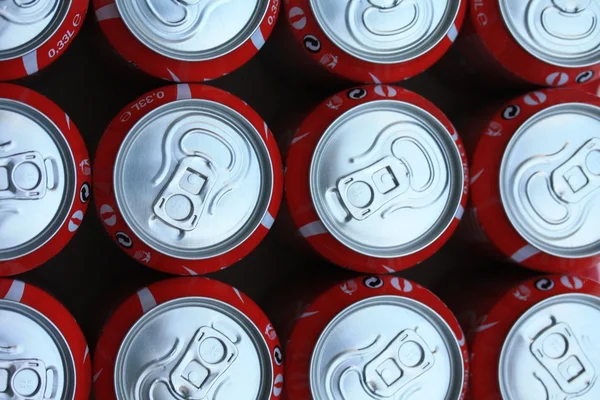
193	348
560	32
37	179
192	30
386	179
387	347
550	180
386	31
35	360
26	25
552	351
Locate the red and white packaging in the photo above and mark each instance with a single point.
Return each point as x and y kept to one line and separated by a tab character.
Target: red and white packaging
211	331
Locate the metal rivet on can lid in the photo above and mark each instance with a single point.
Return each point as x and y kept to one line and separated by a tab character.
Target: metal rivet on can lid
550	181
192	30
387	347
386	179
37	179
193	179
194	348
386	31
560	32
26	25
551	351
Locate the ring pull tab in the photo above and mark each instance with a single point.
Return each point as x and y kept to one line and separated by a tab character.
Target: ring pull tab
566	22
556	348
25	12
24	176
23	380
183	199
579	176
206	360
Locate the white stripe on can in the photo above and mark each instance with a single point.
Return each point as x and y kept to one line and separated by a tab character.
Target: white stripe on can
173	76
524	253
15	292
453	33
108	12
30	62
299	138
147	300
460	212
184	91
268	221
313	229
258	39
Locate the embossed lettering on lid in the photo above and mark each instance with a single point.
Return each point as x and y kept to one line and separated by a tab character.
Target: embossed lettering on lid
386	31
560	32
550	180
192	30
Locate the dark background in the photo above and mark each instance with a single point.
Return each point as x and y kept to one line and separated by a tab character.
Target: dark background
92	276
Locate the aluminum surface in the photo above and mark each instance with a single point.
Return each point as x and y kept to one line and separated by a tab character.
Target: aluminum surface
26	25
192	30
386	31
553	351
560	32
35	360
193	348
386	179
193	179
387	347
37	179
550	180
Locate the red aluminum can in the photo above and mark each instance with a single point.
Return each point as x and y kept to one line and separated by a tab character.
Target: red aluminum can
189	179
188	338
376	41
187	41
45	178
535	182
376	179
536	340
44	353
377	337
548	43
35	34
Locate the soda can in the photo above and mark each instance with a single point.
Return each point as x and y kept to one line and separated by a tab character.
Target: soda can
375	41
189	179
187	41
45	177
547	43
36	33
191	338
536	181
376	179
538	339
43	354
377	337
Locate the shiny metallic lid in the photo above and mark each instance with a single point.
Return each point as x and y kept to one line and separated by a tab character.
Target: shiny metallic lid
550	180
37	179
192	30
387	347
193	179
35	360
193	348
27	24
386	31
560	32
386	179
553	351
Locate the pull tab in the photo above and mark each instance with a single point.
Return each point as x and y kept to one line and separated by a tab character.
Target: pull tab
23	177
22	379
175	20
182	201
25	12
559	352
579	176
406	358
208	356
571	6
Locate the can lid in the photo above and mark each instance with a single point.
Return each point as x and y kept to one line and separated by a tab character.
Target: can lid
37	179
386	31
194	348
550	180
26	25
386	179
387	347
192	30
35	360
552	351
193	179
560	32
